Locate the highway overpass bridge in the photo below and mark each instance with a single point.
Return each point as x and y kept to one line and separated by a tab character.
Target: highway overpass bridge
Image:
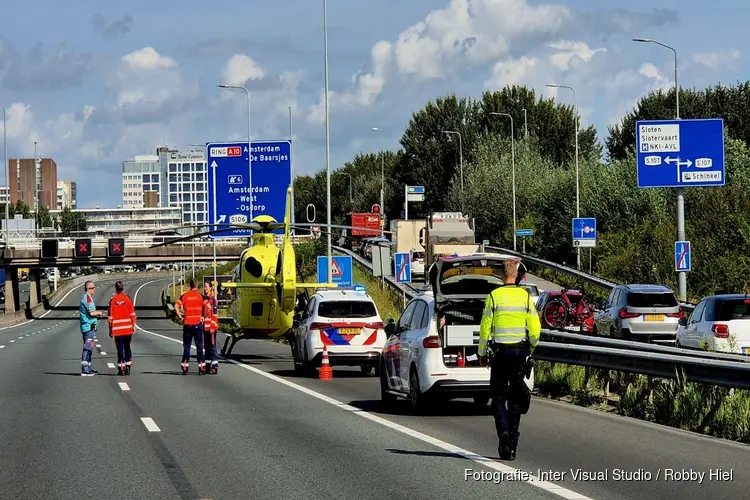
27	253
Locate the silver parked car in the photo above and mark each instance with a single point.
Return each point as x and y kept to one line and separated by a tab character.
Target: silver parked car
640	312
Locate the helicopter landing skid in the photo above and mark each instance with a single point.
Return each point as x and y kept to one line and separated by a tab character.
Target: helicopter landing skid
227	352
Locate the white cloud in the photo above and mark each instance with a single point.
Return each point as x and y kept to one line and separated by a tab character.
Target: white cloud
729	59
148	58
240	69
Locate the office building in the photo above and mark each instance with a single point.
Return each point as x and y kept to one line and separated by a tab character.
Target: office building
179	180
140	175
67	195
33	182
185	183
119	221
4	196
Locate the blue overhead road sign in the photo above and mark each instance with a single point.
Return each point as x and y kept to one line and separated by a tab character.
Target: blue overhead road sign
402	263
680	153
230	197
682	256
342	270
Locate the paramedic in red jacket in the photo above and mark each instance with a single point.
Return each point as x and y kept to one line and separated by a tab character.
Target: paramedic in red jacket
121	327
191	304
210	326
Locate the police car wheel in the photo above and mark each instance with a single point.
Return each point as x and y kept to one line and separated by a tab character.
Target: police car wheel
385	396
416	398
481	400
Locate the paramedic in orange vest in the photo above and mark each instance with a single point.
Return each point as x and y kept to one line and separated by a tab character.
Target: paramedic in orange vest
121	327
191	304
210	326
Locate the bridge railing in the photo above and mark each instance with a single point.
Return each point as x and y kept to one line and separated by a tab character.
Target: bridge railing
147	241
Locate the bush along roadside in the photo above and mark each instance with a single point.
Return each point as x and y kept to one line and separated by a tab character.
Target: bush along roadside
702	408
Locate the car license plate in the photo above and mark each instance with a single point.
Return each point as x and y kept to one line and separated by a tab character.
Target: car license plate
349	331
573	328
654	317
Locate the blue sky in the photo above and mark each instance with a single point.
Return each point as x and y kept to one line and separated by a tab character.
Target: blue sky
95	85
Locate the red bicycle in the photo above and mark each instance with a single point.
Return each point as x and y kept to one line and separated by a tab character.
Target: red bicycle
561	313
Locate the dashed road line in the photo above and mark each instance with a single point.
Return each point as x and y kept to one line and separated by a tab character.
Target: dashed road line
12	341
20	337
111	366
474	457
2	347
99	345
150	424
102	353
124	386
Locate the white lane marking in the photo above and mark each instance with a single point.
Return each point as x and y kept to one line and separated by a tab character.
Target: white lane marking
12	341
111	366
103	353
34	333
150	424
123	386
27	334
2	347
20	337
46	313
479	459
98	345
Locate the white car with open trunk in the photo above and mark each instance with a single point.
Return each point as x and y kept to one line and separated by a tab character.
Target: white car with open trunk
432	350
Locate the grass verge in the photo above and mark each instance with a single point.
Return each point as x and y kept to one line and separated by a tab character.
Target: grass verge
702	408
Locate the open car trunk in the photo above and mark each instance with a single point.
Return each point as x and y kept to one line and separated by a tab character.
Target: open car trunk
460	286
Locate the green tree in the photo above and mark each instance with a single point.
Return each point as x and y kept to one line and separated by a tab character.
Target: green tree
43	218
71	221
727	102
22	208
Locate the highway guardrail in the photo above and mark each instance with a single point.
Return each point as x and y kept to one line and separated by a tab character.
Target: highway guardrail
589	278
646	359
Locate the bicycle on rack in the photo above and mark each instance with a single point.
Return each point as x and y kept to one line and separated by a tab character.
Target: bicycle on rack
561	313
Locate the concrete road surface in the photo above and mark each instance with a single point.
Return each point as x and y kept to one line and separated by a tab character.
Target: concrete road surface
256	430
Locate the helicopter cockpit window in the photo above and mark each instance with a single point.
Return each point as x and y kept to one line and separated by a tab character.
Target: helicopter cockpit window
254	267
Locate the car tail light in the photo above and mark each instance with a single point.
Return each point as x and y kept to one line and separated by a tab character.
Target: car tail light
375	325
320	326
680	314
626	315
432	342
720	331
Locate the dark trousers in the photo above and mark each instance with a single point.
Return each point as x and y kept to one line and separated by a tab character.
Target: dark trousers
506	386
192	333
124	355
209	343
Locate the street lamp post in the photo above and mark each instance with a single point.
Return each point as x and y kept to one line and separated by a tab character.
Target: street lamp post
513	162
351	199
328	140
382	175
7	177
291	164
249	151
578	190
461	161
681	276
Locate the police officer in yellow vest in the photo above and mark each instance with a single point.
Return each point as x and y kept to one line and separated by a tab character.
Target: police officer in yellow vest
508	335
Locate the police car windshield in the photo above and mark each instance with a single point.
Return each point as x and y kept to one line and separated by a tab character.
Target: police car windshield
346	309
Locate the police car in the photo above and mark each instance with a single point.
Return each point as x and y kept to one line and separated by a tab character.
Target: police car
432	350
347	322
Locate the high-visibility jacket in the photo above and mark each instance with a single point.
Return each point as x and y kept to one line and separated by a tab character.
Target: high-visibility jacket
210	317
192	305
121	315
509	318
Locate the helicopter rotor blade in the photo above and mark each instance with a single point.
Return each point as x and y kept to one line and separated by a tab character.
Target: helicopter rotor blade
230	227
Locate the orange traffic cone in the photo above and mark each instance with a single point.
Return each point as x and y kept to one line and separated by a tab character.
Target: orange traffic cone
325	372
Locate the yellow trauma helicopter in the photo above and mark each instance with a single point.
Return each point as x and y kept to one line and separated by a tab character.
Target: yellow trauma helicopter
265	301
